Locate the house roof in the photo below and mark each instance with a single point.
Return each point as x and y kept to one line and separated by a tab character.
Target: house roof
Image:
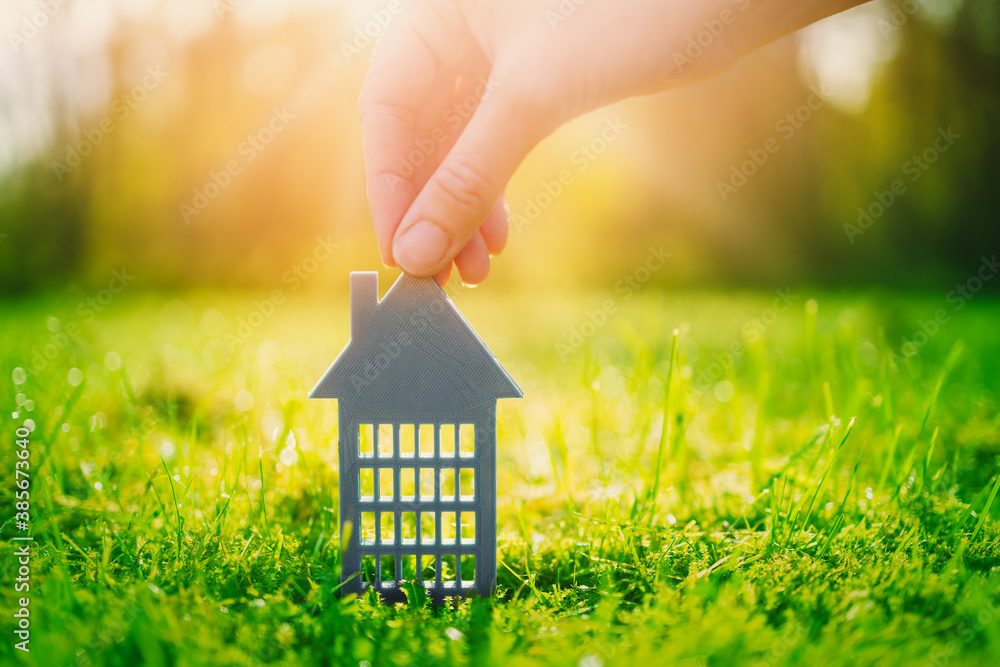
411	352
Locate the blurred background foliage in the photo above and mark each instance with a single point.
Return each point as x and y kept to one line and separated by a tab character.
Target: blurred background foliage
894	74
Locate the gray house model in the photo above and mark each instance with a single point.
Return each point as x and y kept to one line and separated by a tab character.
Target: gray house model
416	391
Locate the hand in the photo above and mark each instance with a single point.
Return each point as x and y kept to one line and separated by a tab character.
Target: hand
459	91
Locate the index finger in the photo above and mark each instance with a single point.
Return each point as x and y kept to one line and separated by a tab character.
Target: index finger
401	75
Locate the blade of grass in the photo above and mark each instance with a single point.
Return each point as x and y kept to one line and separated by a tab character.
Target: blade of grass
890	460
906	540
927	458
837	523
177	509
949	364
125	551
886	355
821	433
263	506
759	430
850	484
967	512
826	471
665	429
905	471
986	510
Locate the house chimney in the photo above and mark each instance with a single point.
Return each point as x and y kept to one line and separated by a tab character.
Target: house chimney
364	299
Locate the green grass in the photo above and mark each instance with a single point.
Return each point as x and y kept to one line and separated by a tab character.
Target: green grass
825	499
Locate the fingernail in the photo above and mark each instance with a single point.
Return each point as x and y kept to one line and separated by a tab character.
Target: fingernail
421	248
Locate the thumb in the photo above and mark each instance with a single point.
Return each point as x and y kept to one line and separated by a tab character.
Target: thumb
472	176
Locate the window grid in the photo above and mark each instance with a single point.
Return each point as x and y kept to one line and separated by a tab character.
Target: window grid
385	483
454	467
382	441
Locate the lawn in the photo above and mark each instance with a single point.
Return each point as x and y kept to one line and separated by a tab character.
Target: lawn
822	489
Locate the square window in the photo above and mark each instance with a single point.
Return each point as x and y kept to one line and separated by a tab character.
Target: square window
468	529
448	571
407	441
426	434
407	484
385	484
409	569
388	571
467	440
366	441
427	534
447	484
467	485
368	569
408	527
428	570
366	485
385	441
468	570
387	528
427	483
368	528
447	441
448	532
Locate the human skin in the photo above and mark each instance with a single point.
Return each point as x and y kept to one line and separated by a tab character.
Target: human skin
459	91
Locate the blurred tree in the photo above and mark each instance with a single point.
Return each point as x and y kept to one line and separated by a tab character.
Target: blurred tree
42	225
657	183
